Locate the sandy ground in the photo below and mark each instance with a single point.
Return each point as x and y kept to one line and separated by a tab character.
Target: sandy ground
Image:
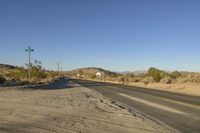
181	88
184	88
69	110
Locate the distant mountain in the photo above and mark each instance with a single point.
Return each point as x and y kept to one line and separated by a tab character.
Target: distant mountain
89	71
134	72
140	72
124	72
5	66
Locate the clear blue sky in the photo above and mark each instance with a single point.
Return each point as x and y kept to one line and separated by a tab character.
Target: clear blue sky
118	35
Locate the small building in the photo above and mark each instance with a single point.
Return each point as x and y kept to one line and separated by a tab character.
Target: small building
98	74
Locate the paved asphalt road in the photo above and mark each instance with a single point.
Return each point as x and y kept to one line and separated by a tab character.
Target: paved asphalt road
180	112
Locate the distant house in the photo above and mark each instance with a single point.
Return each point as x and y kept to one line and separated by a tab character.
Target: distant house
98	74
80	76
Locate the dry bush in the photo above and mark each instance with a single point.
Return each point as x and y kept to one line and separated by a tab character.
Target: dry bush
2	79
193	78
148	80
182	80
156	74
136	79
166	80
175	75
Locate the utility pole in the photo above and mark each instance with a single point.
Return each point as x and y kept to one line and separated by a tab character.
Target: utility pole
58	68
29	50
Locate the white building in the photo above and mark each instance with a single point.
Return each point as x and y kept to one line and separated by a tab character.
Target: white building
98	74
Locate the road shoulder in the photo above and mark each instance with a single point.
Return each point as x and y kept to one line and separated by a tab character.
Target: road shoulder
72	109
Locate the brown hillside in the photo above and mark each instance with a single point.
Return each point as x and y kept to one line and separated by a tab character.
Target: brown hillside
89	72
6	68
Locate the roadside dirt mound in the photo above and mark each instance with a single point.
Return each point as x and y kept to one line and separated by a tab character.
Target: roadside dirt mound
68	110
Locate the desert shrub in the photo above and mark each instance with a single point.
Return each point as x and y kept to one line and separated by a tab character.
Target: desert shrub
156	74
148	80
21	73
122	79
175	75
2	79
182	80
114	75
80	72
166	80
52	74
197	79
136	80
94	77
38	73
194	78
9	75
128	79
18	73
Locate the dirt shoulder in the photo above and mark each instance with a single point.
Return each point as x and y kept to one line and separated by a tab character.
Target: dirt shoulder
68	110
180	88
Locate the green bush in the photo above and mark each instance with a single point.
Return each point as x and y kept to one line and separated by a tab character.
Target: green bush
175	75
94	77
156	74
38	73
20	73
2	79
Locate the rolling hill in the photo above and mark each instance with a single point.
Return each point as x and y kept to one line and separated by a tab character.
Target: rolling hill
89	72
4	68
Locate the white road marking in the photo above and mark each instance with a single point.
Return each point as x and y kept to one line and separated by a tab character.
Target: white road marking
182	103
159	106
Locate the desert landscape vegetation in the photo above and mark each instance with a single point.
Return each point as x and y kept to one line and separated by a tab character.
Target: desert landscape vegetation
16	75
50	102
176	81
84	110
69	109
99	66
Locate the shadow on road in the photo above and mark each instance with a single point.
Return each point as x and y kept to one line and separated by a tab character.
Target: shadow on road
88	84
61	84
